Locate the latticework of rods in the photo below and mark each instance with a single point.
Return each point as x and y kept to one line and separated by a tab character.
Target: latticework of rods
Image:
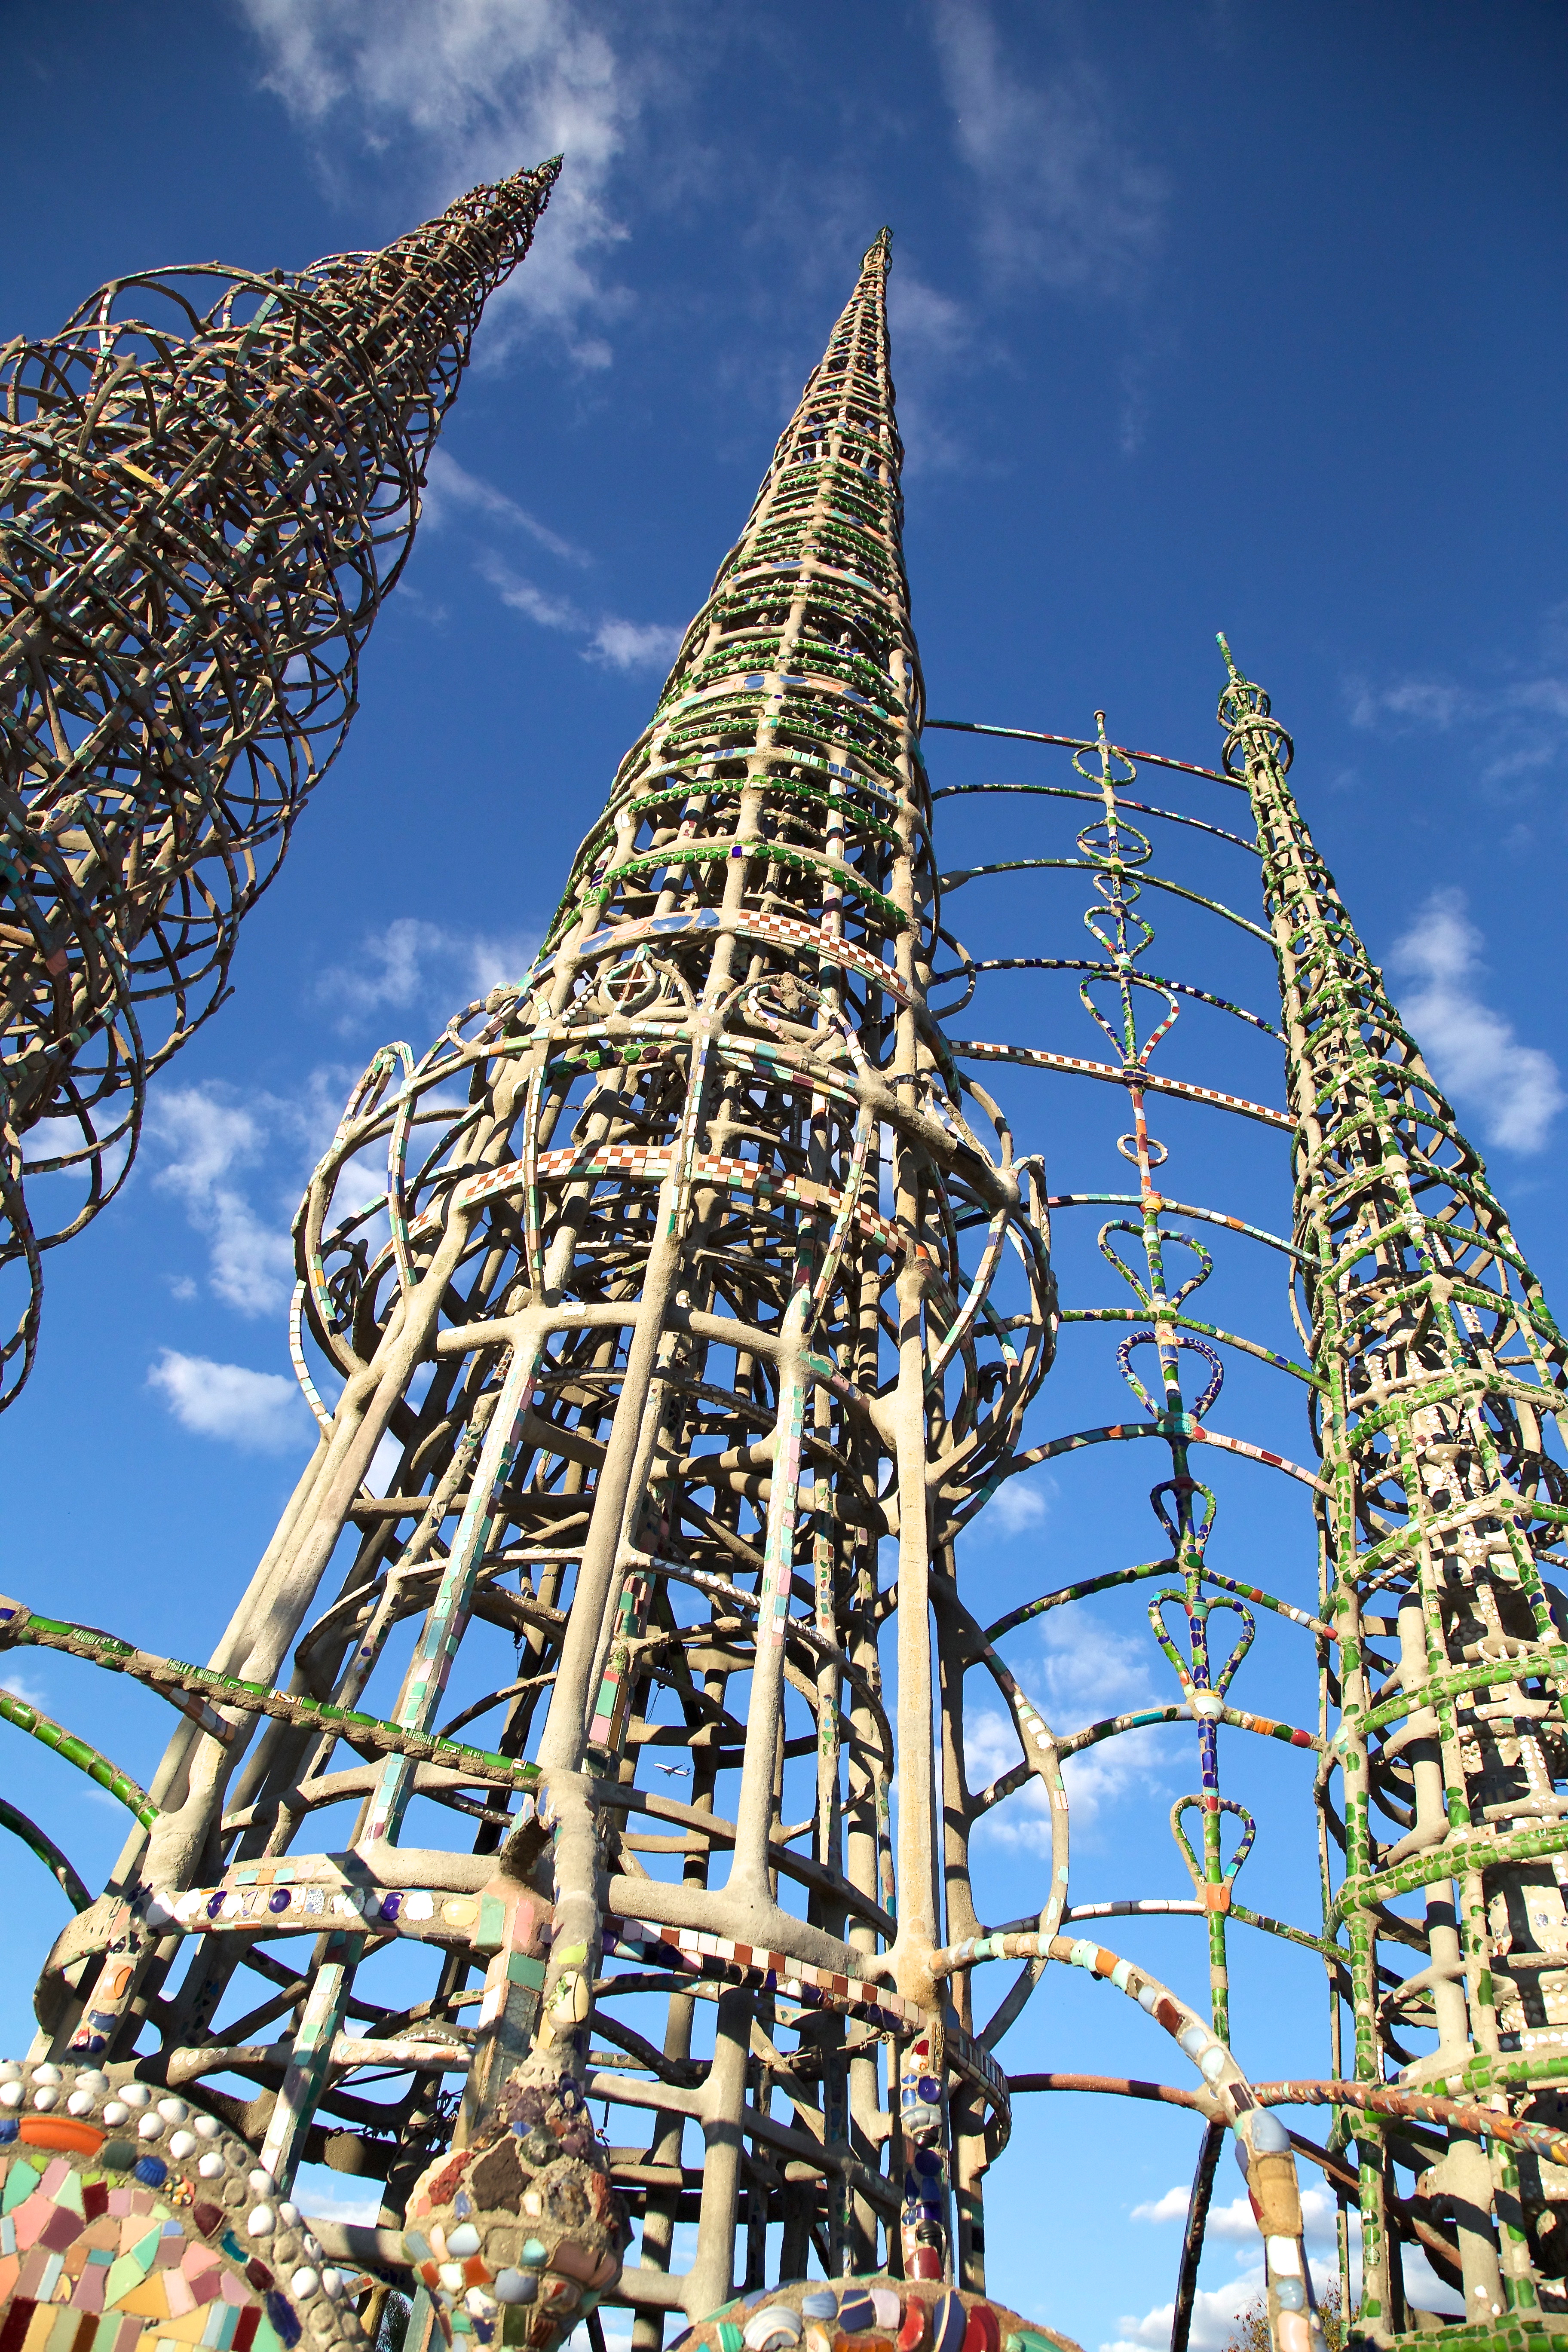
1433	1377
1441	1377
1163	1250
664	1358
663	1371
208	481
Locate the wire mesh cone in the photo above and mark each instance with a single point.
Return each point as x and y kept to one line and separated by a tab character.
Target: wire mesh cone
208	482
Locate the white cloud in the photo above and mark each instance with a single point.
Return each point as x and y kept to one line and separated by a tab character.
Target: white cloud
635	644
1473	1049
471	90
1216	2311
413	962
1084	1671
620	644
328	2197
388	969
1018	1503
1410	703
448	486
1236	2222
922	319
522	596
251	1263
31	1694
1520	726
496	963
1091	1670
1217	2308
1064	203
1171	2206
932	334
262	1413
617	2339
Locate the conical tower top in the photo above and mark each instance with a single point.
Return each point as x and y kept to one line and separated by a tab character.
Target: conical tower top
802	665
209	479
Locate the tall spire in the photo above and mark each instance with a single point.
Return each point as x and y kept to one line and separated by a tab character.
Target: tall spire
1442	1372
651	1365
208	482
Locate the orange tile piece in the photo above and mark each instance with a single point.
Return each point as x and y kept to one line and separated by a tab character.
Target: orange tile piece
61	2132
148	2301
187	2329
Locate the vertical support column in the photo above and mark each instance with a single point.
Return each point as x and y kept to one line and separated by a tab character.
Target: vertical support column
321	2020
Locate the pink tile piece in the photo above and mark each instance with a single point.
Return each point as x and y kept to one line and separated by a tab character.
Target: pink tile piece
29	2218
88	2293
31	2278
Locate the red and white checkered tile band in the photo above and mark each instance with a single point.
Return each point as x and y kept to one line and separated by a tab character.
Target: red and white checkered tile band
873	2004
1034	1057
776	930
641	1160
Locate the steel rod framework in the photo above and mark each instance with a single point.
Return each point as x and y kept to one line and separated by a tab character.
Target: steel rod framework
663	1313
208	481
1203	1606
1434	1382
1441	1386
656	1390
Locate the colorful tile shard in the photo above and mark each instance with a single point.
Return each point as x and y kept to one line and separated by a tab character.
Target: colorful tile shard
129	2219
208	482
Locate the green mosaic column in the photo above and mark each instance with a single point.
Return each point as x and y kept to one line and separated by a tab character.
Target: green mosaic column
1443	1504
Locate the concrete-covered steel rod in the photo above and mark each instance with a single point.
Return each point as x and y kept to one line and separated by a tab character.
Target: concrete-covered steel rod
663	1314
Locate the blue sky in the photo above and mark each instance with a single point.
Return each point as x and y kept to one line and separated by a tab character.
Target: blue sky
1202	316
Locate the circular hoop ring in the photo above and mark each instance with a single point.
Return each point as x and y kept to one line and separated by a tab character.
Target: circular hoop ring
1128	1146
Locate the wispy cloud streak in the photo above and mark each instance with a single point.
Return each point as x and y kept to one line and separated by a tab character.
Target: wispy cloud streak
616	644
1063	201
476	89
449	487
1475	1053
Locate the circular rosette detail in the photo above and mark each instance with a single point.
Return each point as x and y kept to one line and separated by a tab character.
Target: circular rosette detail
521	2232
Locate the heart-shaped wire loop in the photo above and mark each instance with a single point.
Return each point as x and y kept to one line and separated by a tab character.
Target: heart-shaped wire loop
1198	1530
1206	1888
1172	1339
